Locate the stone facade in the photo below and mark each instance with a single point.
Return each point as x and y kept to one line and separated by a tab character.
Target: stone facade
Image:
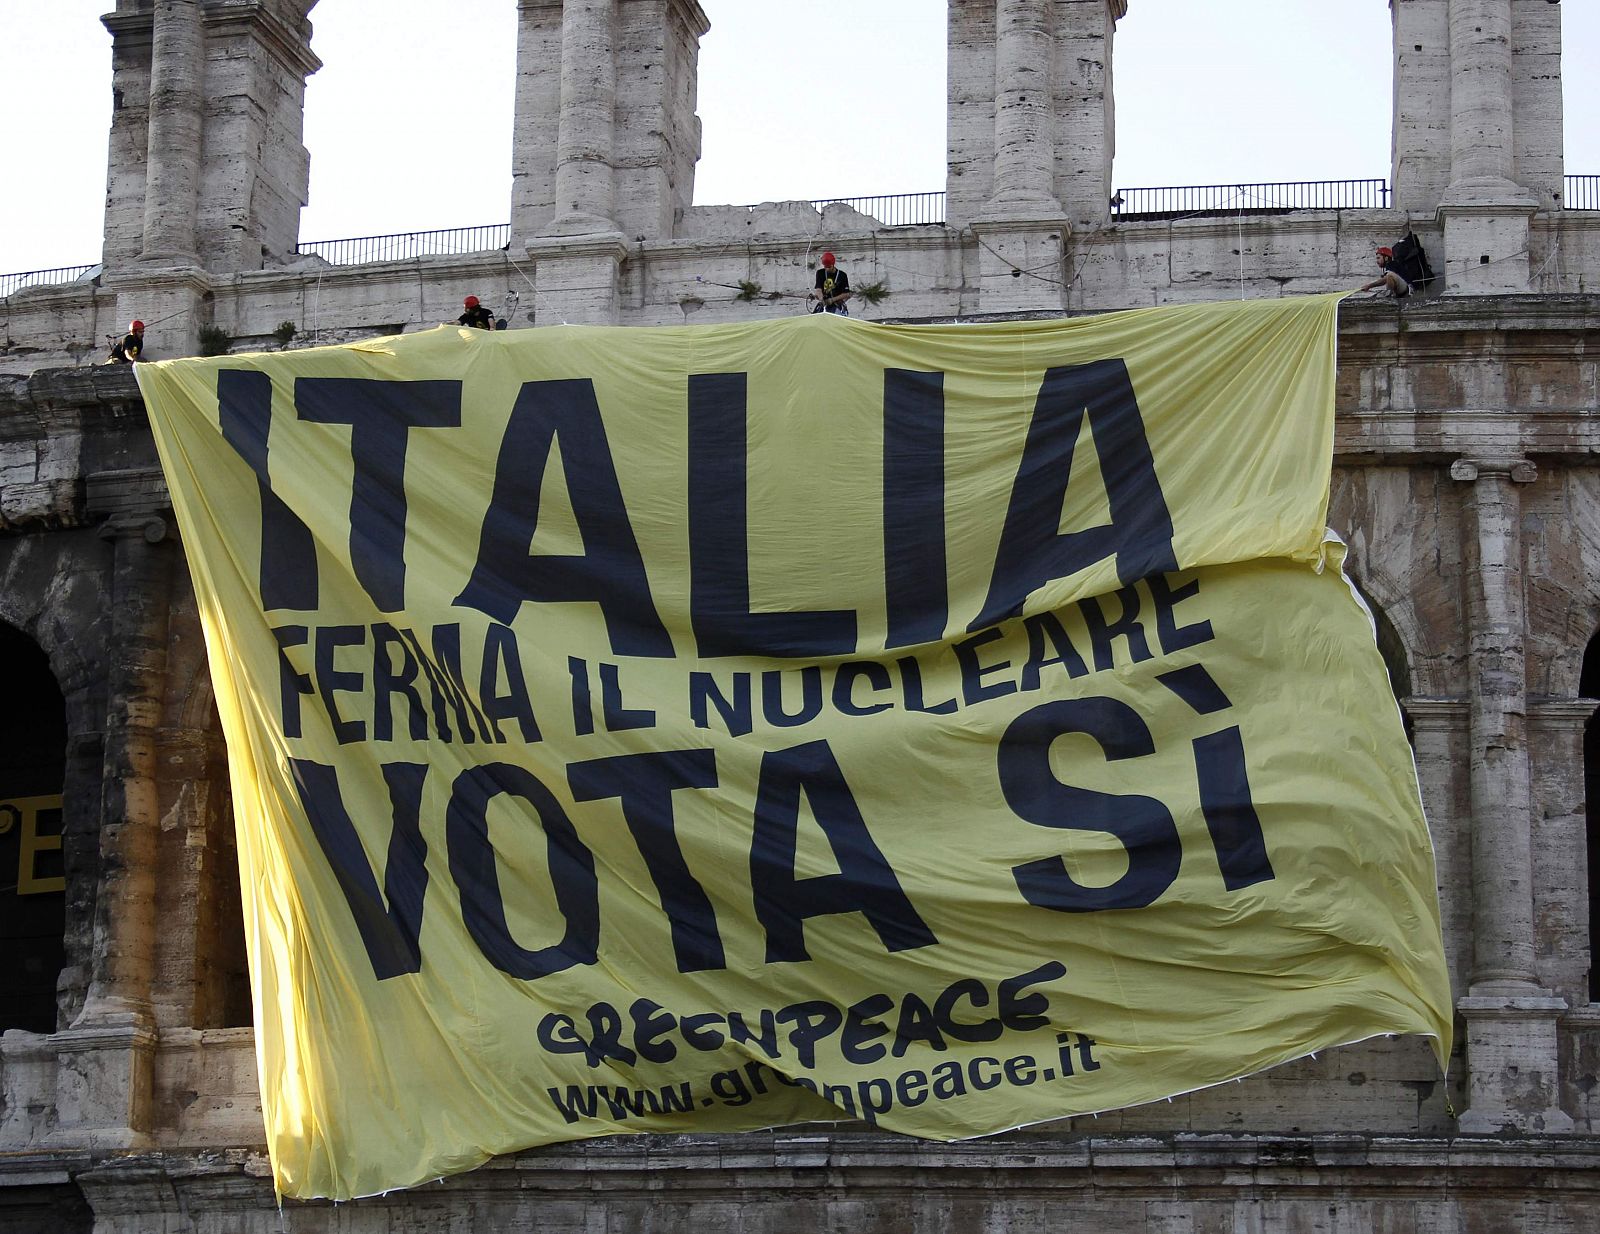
1465	482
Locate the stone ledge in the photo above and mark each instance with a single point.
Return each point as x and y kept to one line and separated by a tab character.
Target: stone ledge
768	1159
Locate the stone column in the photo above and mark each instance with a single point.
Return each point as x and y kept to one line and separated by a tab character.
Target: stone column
1556	729
141	575
1083	108
128	147
536	129
1021	234
1420	129
1485	214
106	1057
172	168
1512	1074
1481	116
256	172
585	185
1024	155
1440	732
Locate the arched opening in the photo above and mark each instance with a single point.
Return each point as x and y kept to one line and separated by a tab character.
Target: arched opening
1393	651
1395	661
1589	687
33	744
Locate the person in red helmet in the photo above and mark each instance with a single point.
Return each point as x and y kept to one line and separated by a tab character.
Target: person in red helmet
131	348
476	316
1390	280
832	289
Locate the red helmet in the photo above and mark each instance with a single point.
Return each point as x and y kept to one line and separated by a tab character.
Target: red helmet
471	302
1386	252
827	259
135	326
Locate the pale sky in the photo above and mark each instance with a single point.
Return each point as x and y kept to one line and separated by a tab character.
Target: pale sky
409	123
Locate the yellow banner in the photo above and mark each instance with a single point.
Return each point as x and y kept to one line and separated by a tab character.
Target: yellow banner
951	727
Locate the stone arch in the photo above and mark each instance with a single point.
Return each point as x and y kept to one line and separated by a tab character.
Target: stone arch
1589	687
1401	641
1395	575
52	592
197	697
1390	644
33	883
39	612
1564	596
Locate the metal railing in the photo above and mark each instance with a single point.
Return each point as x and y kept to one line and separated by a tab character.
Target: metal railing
402	246
893	210
1213	200
10	283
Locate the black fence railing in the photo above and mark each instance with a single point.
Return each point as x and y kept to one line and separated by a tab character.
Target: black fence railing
10	283
1581	193
893	210
1213	200
402	246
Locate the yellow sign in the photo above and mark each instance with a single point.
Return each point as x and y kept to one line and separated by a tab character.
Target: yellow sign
23	813
951	727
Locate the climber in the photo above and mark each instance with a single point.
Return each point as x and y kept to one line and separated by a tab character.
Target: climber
832	289
131	347
476	316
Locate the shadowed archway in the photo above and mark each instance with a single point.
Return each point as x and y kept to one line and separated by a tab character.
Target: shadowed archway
1589	687
33	742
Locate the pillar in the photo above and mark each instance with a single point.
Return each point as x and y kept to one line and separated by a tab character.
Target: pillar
207	170
614	124
536	127
1083	106
105	1073
1440	735
1481	116
1556	739
255	174
1024	153
577	282
1512	1073
125	911
1048	143
1485	214
1419	168
585	191
172	167
132	33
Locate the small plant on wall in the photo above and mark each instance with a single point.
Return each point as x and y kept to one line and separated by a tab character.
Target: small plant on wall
873	293
214	341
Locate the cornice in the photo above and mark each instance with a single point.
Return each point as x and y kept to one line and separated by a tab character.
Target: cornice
138	277
1436	711
272	31
1558	713
1444	436
605	244
1307	221
1473	313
